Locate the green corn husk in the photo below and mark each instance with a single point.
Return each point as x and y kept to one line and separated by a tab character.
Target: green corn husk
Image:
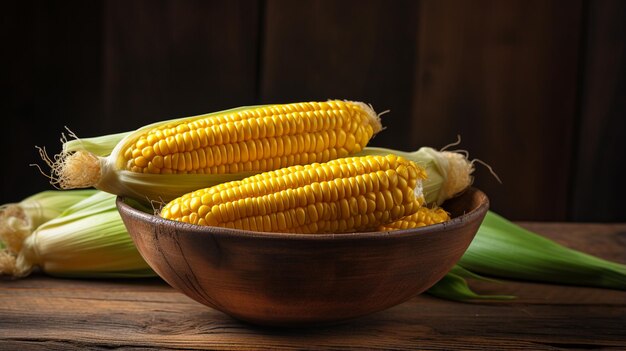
19	220
454	287
99	146
465	273
504	249
88	239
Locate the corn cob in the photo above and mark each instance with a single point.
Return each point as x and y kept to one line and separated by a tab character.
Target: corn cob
214	148
19	220
88	239
343	195
449	173
254	140
423	217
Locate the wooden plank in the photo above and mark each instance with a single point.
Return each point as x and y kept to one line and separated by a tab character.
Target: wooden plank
50	68
422	322
503	75
167	59
101	68
355	50
83	321
601	161
46	313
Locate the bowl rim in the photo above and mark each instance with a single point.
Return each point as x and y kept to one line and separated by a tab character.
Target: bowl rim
193	229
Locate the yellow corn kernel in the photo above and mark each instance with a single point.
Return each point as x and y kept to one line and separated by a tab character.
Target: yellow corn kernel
423	217
280	135
336	196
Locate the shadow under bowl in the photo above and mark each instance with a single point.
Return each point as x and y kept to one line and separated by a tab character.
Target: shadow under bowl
303	279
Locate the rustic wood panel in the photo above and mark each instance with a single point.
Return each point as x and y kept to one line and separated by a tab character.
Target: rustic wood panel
597	193
356	50
503	75
59	314
102	67
167	59
49	77
535	88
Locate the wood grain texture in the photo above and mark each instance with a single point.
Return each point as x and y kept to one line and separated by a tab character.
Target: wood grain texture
601	162
42	313
503	75
168	59
355	50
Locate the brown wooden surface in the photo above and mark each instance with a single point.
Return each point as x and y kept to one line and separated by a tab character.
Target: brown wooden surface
46	313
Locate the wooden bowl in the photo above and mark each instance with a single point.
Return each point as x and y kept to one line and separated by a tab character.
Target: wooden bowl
303	279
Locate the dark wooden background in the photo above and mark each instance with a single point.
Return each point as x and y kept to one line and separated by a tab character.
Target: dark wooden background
535	88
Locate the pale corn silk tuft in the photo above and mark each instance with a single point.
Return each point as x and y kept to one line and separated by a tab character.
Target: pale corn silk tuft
15	226
14	229
459	174
78	170
72	170
7	263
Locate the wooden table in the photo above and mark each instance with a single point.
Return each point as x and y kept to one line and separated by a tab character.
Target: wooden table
47	313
